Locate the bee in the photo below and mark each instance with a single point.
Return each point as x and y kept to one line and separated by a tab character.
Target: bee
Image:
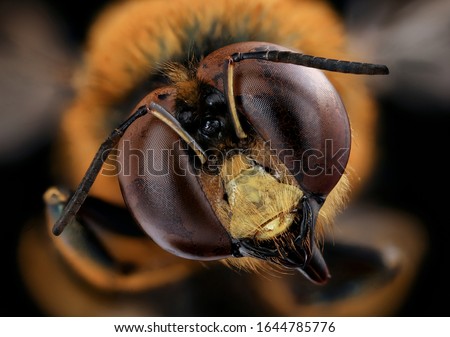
238	136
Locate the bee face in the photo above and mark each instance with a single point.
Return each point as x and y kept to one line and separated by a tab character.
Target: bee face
265	172
251	173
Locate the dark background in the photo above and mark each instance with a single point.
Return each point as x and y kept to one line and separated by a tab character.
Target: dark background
411	176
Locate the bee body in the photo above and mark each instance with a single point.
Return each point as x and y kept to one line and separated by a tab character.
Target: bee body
230	190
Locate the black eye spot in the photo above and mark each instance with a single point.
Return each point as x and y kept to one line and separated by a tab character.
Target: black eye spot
211	127
185	117
215	98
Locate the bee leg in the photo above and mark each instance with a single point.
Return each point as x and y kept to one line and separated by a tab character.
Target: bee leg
77	236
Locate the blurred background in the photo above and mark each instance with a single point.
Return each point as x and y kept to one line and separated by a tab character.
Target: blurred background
40	44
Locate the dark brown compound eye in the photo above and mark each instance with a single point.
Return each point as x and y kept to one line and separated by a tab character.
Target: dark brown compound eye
163	193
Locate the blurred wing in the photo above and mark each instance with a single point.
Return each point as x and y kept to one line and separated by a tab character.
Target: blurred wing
412	38
36	63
